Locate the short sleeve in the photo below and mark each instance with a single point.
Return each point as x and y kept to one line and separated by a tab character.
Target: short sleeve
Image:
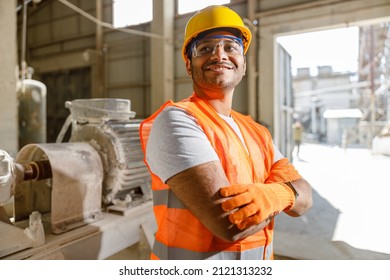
176	143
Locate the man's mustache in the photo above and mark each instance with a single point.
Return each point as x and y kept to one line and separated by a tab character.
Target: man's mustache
220	64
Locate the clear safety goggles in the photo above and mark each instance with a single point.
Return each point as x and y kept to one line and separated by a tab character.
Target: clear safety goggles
231	45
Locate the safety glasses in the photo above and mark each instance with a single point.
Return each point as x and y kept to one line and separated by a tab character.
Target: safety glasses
231	45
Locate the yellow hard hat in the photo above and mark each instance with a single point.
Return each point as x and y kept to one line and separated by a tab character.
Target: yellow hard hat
214	17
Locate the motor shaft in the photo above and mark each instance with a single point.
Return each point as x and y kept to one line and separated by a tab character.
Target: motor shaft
36	170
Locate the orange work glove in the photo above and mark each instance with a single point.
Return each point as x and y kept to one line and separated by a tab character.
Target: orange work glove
256	202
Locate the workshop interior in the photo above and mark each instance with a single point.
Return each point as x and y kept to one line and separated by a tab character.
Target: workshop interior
75	87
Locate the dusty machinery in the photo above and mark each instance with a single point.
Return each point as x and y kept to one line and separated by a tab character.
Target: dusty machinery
87	198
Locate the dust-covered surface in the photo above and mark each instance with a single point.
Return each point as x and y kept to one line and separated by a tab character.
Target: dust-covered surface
348	217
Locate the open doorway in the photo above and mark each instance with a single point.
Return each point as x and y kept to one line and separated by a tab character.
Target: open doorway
343	108
340	83
324	70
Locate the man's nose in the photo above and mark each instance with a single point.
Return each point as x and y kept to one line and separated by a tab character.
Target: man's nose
219	52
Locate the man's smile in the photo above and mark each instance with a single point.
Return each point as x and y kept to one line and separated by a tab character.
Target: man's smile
217	67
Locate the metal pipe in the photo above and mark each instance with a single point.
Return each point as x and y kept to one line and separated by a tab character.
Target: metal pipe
99	81
23	49
36	170
32	171
372	86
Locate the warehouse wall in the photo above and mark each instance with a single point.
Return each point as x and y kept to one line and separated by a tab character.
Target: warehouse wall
61	41
8	104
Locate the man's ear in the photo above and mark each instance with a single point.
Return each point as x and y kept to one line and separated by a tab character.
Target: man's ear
188	67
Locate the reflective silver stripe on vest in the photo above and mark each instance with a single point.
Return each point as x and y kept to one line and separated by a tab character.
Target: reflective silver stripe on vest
167	197
165	253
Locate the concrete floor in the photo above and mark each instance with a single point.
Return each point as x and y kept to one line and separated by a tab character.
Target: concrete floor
137	251
349	216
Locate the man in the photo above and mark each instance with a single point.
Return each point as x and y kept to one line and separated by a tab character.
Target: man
217	178
297	135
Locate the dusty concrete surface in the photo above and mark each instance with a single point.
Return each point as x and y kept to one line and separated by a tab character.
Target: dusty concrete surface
348	218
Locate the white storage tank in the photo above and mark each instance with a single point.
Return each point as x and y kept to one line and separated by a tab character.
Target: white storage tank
32	111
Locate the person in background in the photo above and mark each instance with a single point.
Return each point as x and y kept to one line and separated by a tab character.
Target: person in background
218	180
297	135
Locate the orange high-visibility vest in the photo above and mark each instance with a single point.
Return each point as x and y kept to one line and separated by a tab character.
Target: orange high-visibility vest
180	235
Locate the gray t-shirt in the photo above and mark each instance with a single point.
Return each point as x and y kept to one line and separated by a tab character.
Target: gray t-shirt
176	143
